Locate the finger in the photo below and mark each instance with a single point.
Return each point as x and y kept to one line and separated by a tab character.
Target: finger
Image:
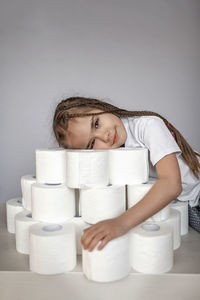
86	233
94	229
91	227
95	241
87	237
94	226
86	229
106	239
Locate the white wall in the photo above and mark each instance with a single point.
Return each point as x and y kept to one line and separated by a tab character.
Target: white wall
135	54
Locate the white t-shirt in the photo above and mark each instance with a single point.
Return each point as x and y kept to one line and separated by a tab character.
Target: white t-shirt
152	133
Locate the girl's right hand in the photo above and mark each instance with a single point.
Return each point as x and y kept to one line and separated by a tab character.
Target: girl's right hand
103	231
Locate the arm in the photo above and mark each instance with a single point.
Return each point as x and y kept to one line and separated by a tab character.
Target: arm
167	187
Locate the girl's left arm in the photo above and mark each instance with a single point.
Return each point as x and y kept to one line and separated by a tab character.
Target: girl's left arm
166	188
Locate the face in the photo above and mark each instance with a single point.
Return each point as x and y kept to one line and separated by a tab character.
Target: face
104	131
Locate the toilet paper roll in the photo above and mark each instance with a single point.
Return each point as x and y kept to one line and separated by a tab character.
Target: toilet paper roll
137	191
52	248
102	203
23	221
87	168
182	207
52	203
51	165
13	207
161	215
26	183
80	224
151	248
128	165
109	264
175	222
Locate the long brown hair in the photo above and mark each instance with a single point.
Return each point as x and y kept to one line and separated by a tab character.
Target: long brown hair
80	106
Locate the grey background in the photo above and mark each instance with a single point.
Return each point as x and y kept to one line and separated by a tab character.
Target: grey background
138	55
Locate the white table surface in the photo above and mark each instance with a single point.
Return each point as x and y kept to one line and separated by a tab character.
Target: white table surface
17	282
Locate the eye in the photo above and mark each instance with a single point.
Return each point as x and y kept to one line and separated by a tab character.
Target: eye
96	126
96	123
92	144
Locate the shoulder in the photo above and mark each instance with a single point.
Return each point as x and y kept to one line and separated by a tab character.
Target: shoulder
142	119
144	123
151	123
149	120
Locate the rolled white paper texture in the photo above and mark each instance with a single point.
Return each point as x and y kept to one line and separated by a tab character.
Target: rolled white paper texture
52	248
128	165
23	221
137	191
13	207
109	264
182	207
161	215
151	248
52	203
174	221
100	203
26	183
87	168
80	224
51	165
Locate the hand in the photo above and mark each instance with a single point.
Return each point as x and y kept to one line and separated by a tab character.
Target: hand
104	231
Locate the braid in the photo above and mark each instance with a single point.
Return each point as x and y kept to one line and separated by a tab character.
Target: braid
79	106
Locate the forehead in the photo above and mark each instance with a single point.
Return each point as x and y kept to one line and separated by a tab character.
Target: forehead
78	132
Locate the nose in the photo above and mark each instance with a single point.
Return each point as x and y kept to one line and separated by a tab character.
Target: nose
104	135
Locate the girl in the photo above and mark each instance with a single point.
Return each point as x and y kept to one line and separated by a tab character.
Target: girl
85	123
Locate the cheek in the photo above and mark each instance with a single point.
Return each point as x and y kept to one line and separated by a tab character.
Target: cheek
99	145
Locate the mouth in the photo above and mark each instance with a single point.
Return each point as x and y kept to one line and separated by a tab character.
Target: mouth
115	137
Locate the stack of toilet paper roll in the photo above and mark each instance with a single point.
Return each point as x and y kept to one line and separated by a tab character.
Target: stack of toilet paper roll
159	235
175	214
88	171
74	189
98	203
43	220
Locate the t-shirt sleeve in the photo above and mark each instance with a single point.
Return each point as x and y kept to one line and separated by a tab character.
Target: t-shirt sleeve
155	135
